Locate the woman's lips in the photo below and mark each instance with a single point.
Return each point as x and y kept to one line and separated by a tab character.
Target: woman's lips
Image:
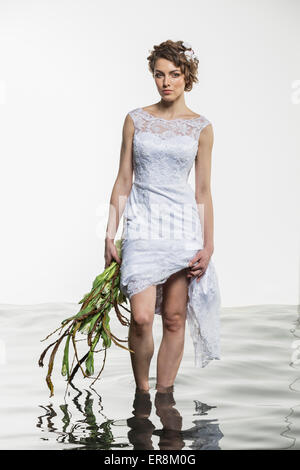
166	92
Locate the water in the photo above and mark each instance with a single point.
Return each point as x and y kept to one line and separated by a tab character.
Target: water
247	400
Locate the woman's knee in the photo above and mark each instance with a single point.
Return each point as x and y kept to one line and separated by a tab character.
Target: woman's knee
143	307
174	320
142	318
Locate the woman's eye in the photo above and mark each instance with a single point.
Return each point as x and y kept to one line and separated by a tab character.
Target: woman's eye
174	75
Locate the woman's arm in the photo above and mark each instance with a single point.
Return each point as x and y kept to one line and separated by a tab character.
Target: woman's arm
120	191
202	186
204	202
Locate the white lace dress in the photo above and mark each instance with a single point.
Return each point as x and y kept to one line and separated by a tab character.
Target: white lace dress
161	224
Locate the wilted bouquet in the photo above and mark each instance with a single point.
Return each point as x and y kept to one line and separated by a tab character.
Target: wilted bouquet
93	320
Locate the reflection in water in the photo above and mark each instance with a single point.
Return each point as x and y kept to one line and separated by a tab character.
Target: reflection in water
206	433
85	432
88	434
141	427
255	387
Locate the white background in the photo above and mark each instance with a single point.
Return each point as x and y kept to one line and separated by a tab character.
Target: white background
69	73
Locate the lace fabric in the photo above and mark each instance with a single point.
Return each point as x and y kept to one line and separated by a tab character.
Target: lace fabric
166	128
163	155
153	134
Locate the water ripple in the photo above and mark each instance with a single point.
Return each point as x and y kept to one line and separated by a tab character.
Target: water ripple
247	400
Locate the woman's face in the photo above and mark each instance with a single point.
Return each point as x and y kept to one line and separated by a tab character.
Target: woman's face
168	77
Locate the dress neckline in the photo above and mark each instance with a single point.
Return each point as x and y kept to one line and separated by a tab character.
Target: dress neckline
168	120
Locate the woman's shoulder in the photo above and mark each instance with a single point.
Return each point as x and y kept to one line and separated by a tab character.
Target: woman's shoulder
134	115
133	111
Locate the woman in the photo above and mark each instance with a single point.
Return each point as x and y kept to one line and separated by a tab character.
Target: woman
166	265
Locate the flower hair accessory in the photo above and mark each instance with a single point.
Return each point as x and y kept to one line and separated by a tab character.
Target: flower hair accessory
190	55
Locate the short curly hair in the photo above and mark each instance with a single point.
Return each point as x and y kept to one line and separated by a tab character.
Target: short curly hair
174	51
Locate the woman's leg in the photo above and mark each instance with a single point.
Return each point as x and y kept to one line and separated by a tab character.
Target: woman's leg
140	337
175	297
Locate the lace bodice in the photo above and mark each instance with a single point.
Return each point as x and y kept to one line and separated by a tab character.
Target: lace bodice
164	150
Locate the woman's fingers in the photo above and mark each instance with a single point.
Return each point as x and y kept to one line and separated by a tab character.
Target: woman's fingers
112	255
116	257
199	272
196	273
108	260
196	258
193	261
196	266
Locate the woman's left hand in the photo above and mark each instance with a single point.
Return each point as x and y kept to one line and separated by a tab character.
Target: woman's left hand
201	259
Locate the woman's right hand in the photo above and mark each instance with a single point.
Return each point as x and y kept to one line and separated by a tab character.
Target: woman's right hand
110	253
